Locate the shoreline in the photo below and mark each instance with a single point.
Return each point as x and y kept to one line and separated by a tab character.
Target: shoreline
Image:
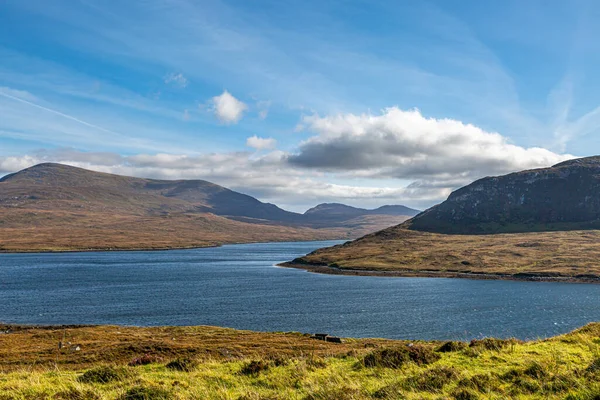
524	277
112	249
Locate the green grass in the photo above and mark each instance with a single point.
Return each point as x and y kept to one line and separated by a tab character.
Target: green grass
565	367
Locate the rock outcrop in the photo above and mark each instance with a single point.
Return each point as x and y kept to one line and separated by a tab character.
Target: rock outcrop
565	196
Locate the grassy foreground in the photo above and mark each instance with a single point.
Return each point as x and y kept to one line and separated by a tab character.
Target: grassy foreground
216	363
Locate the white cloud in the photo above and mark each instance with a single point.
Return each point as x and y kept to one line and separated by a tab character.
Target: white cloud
397	157
29	117
268	177
259	143
227	108
176	80
14	164
406	145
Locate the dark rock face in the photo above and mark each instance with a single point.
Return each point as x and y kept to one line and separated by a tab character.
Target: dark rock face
563	197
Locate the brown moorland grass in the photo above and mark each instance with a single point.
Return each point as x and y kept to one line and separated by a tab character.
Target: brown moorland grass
53	207
561	256
228	364
38	346
31	230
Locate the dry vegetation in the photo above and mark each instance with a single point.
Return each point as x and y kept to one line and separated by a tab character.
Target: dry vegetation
53	207
37	347
217	363
567	255
23	230
38	230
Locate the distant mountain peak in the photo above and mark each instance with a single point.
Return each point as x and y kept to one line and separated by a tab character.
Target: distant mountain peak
335	207
71	188
338	208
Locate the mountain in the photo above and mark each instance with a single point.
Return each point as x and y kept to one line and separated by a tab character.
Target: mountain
57	207
541	224
340	211
66	187
565	196
333	210
394	210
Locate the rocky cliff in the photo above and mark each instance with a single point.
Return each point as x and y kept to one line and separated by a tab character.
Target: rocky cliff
565	196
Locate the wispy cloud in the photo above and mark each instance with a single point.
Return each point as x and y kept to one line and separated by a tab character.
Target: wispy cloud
69	117
176	79
263	108
46	125
444	66
529	75
432	156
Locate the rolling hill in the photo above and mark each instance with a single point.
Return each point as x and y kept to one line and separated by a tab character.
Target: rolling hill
336	211
539	224
59	207
563	197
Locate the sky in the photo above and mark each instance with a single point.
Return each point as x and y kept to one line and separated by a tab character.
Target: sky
301	102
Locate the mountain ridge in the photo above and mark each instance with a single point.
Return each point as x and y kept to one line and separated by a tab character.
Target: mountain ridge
540	224
565	196
76	208
343	209
201	195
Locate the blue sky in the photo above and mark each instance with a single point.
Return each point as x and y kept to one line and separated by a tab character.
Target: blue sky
299	102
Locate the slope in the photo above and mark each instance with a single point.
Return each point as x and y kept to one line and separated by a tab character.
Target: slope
538	225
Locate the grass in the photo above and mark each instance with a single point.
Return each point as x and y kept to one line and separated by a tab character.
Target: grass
104	374
397	357
561	256
34	230
55	207
286	366
182	364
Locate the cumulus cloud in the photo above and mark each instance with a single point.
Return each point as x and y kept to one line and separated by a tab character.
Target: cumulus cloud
259	143
397	157
268	177
176	79
406	145
227	108
14	164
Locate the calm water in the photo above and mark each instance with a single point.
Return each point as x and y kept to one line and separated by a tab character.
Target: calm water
238	286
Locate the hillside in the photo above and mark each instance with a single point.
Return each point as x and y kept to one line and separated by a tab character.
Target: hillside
563	197
534	225
111	362
56	186
568	256
57	207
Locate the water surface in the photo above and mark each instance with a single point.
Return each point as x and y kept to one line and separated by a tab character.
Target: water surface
238	286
